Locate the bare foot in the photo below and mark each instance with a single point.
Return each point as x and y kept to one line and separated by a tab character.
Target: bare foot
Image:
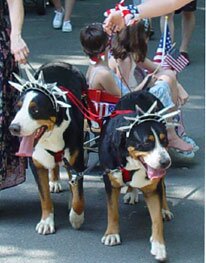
179	144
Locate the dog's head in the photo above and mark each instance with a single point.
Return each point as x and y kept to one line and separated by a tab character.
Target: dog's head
146	139
147	142
35	112
37	107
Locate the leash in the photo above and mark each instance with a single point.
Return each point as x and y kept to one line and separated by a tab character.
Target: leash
75	177
30	66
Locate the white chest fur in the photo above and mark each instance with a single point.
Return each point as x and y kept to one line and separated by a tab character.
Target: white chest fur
53	141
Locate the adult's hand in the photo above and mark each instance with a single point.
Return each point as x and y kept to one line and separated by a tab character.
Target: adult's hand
19	48
114	22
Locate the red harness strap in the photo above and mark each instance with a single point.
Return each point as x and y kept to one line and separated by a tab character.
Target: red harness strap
58	156
91	113
87	113
126	175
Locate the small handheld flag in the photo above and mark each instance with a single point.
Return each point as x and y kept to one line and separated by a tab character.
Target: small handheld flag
176	60
164	46
166	55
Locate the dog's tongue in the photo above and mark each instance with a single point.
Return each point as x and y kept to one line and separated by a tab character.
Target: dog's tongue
26	146
155	173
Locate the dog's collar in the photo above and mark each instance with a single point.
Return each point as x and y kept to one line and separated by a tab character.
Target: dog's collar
58	156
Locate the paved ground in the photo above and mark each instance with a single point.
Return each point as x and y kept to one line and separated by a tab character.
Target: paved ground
20	207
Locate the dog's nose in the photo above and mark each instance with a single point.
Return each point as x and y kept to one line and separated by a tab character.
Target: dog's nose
165	162
15	129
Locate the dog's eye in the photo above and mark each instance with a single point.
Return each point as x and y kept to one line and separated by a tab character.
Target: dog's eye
163	139
164	142
34	109
148	142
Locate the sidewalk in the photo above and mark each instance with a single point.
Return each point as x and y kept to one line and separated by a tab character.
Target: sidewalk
20	206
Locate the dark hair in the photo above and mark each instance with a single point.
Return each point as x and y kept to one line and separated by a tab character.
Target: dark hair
131	39
93	39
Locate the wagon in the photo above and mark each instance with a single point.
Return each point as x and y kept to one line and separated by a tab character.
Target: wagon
97	106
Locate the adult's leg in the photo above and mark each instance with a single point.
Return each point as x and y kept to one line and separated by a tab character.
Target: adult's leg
170	24
69	5
188	25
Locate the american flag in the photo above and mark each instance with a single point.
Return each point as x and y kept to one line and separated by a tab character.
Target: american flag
161	51
103	108
176	60
169	58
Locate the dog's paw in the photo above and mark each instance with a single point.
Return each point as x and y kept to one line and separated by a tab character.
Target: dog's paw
111	240
75	219
131	197
158	250
46	226
55	187
167	215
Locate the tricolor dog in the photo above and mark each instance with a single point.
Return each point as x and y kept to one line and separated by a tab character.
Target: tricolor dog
132	151
51	128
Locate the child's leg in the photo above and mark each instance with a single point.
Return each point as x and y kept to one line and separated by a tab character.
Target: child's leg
162	91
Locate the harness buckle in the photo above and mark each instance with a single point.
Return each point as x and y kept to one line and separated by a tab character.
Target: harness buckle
75	178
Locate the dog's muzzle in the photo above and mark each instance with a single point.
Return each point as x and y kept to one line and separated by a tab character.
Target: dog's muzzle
165	162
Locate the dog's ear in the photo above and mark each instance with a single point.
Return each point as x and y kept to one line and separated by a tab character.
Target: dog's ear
112	149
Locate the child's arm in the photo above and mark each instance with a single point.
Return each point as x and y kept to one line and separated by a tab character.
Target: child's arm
149	65
148	81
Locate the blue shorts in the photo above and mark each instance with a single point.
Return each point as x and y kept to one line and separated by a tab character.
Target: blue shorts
161	90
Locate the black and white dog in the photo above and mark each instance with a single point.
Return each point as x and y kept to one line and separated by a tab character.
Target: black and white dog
52	130
132	151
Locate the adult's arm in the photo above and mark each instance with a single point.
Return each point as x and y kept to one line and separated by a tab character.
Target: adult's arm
117	20
18	46
153	8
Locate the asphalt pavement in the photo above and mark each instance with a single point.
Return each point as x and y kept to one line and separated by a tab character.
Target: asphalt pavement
20	206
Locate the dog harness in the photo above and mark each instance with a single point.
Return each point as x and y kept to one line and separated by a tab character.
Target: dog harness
126	174
58	156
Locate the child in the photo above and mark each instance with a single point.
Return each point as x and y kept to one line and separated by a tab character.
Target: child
129	48
95	43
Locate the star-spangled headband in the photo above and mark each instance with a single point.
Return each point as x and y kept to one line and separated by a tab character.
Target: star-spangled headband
160	116
51	90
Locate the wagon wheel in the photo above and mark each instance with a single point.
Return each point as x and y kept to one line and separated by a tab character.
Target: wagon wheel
41	7
90	143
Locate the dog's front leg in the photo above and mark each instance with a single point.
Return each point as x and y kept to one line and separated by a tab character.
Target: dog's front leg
54	182
76	215
46	224
158	248
112	236
166	213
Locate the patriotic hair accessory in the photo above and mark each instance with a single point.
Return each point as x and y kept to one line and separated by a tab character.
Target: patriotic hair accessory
129	12
96	59
160	116
51	90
